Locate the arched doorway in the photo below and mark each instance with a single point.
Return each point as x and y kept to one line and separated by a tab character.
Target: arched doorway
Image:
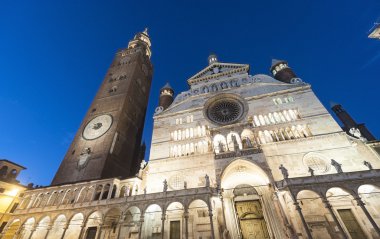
174	226
247	201
249	212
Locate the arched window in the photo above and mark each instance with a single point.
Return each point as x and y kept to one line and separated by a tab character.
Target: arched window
199	130
277	117
187	132
256	120
123	192
191	133
262	121
287	116
268	137
205	89
220	143
203	130
295	132
191	148
266	120
183	150
282	117
234	141
271	118
179	150
293	114
262	137
279	101
175	135
3	171
179	134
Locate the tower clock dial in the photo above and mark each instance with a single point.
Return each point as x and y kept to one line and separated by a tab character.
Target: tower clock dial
97	127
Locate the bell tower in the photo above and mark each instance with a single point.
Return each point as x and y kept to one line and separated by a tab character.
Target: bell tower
107	143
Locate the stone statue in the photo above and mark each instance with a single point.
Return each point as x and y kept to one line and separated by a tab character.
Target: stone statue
184	184
368	165
221	147
311	171
234	141
284	171
145	191
248	142
207	178
337	166
356	133
165	185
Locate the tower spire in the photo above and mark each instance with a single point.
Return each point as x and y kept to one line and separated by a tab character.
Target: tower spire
146	31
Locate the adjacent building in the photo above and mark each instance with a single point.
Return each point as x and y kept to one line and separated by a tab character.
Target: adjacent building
11	190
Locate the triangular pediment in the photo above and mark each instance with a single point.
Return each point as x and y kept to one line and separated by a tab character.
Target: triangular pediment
218	69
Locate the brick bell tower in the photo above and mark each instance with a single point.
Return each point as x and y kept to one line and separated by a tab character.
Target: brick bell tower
107	143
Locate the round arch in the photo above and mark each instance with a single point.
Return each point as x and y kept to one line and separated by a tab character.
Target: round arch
12	229
58	227
242	171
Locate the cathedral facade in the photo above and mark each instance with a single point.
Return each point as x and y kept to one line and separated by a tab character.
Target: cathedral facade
235	156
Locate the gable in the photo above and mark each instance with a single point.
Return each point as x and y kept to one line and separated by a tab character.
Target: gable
216	70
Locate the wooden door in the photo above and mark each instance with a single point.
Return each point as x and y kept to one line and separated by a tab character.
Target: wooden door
351	224
91	233
251	220
175	230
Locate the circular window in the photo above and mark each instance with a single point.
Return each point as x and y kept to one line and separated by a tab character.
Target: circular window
176	182
224	110
316	162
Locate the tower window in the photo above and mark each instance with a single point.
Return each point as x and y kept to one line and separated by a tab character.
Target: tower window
113	89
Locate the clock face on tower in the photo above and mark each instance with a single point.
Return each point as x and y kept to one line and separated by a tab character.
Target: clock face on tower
97	127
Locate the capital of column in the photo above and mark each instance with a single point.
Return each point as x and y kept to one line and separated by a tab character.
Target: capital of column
326	202
210	213
359	201
297	205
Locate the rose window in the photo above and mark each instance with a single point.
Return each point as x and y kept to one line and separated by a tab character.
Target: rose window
225	111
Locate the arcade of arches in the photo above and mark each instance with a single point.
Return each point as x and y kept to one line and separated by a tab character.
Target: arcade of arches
245	205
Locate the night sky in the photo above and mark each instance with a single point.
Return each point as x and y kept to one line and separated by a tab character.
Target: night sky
54	55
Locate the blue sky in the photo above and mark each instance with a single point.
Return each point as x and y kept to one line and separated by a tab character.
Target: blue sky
54	55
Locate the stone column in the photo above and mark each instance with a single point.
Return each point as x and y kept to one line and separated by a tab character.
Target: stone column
110	191
31	232
141	224
304	223
47	231
163	217
186	217
362	206
99	231
101	193
211	222
82	232
329	207
64	232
